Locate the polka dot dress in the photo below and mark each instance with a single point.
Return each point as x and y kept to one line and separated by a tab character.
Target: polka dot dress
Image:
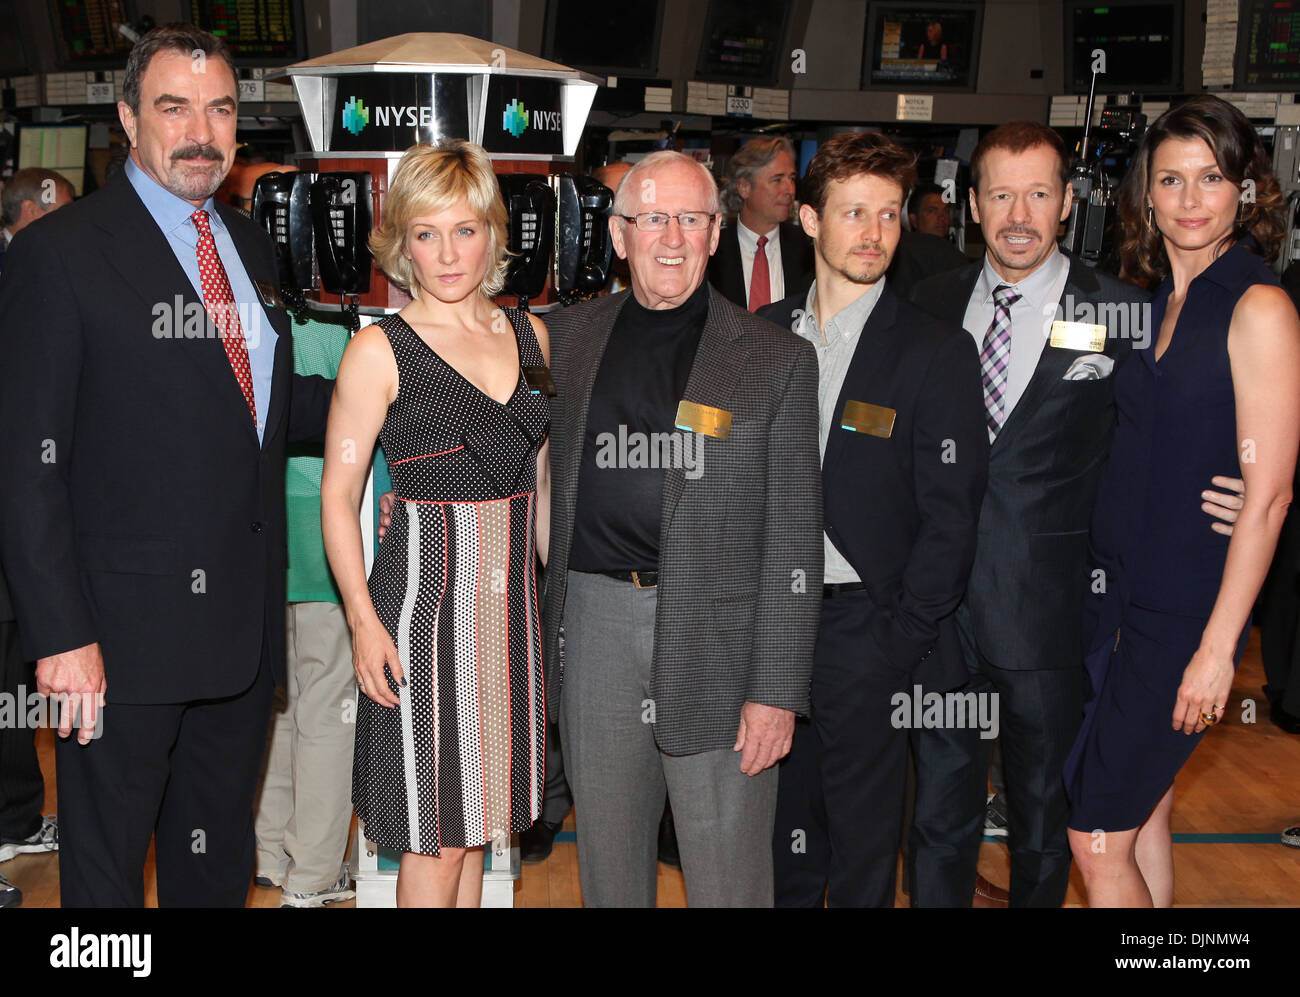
461	762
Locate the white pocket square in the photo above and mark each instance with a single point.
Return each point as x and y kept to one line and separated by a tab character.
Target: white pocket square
1090	367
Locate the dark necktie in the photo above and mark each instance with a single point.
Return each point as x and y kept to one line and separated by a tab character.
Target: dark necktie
220	303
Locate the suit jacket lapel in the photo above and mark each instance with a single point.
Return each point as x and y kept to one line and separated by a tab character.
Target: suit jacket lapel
718	362
151	269
282	361
874	352
1052	362
584	363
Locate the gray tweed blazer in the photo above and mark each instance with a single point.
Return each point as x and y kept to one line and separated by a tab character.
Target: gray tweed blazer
740	563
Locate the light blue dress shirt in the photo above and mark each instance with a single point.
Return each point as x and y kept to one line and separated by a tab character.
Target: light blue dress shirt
172	215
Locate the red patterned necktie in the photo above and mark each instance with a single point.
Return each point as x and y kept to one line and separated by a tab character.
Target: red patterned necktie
760	284
220	303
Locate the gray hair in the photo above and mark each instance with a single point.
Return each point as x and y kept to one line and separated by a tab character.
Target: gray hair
748	160
626	201
29	185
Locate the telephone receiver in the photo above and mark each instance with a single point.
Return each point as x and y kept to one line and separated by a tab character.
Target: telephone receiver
583	248
530	210
340	218
280	208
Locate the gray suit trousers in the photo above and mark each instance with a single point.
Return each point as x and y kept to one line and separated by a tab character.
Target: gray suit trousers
619	777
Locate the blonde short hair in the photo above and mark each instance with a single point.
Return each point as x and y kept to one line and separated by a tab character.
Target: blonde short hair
430	179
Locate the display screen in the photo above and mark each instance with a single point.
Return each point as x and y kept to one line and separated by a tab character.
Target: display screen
55	147
922	45
619	38
1138	45
1268	45
261	32
87	32
744	41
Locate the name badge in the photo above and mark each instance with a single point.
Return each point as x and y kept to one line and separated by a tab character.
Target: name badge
1079	336
539	381
704	419
875	420
269	295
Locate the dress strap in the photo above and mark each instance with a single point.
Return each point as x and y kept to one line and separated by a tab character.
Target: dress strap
530	351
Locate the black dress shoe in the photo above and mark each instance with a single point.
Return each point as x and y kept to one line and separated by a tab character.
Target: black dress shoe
1289	722
10	895
668	854
536	843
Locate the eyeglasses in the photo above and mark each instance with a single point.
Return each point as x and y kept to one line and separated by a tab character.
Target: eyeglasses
657	221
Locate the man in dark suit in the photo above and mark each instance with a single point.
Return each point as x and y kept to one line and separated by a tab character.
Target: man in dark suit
685	561
903	469
1049	401
146	395
759	189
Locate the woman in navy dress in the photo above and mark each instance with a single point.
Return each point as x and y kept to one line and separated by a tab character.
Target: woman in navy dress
1202	214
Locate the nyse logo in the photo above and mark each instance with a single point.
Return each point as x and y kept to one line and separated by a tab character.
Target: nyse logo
517	118
355	115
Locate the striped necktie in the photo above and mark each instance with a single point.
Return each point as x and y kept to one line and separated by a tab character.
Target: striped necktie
995	358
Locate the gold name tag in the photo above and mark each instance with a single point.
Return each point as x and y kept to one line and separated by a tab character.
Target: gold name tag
705	419
876	420
1079	336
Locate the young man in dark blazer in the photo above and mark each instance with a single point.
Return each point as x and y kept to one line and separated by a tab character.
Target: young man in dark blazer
146	395
1049	400
903	466
682	590
759	190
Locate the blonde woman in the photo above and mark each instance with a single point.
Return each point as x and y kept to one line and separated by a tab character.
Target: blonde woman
446	634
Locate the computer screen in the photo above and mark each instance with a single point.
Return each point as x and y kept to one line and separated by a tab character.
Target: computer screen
744	41
922	46
1268	45
258	32
1137	43
608	38
86	33
55	147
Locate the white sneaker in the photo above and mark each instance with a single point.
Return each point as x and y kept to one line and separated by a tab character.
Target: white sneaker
342	890
46	839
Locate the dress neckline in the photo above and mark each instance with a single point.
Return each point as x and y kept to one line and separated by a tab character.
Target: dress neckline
519	377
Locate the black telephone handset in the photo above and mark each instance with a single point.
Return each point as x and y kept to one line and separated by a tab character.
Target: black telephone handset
583	249
280	207
530	209
340	215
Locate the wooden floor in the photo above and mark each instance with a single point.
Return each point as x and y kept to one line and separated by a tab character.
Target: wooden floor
1244	780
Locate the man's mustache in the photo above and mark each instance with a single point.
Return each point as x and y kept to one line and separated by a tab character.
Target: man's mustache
1019	230
197	152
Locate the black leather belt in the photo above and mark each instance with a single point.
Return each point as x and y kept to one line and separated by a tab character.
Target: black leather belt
641	579
840	588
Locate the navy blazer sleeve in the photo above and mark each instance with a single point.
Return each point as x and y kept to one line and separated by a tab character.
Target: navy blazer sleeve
950	448
40	363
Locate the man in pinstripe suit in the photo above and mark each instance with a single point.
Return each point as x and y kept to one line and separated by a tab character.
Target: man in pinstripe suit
685	572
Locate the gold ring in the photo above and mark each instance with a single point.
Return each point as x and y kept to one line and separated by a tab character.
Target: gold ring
1210	719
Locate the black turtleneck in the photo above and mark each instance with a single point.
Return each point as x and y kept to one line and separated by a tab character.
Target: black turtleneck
641	378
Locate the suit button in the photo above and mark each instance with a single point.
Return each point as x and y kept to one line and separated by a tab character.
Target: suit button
255	527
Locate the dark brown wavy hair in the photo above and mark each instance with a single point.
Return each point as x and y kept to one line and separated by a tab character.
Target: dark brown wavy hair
1240	156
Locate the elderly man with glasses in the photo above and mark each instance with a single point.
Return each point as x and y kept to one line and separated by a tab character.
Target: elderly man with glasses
685	575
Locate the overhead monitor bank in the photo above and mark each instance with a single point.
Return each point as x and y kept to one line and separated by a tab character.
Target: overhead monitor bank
363	107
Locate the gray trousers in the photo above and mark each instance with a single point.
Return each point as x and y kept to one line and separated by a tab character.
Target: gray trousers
619	777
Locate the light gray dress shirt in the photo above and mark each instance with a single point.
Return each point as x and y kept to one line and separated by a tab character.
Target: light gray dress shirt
836	342
1031	319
